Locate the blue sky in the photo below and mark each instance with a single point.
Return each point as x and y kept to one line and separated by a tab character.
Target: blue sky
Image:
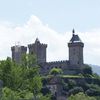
24	20
61	15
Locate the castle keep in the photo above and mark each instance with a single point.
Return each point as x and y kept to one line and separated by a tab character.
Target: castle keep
71	66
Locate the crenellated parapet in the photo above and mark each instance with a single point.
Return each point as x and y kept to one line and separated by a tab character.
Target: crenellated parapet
73	65
58	62
39	49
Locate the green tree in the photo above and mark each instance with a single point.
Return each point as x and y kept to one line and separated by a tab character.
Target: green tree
87	70
5	71
28	60
21	79
75	90
80	96
71	83
8	94
35	86
56	71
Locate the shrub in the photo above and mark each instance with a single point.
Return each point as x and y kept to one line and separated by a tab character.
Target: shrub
87	70
75	90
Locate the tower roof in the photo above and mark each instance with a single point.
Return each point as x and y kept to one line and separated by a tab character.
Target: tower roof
75	38
37	40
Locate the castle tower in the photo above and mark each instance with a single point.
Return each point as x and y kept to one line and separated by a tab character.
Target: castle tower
75	50
39	50
17	52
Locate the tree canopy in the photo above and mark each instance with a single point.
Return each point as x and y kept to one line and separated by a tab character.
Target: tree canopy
56	71
80	96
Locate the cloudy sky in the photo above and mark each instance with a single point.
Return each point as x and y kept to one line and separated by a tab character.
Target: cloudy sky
52	22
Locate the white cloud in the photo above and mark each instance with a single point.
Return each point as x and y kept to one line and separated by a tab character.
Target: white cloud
57	42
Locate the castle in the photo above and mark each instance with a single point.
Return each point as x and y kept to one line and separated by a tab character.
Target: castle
71	66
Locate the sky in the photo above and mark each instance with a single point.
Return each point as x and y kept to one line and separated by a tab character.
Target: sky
52	21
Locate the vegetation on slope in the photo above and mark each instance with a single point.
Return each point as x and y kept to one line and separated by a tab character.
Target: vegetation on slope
23	82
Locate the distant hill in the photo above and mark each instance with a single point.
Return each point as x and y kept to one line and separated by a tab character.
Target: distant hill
95	68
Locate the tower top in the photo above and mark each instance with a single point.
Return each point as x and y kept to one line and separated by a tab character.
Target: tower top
75	38
37	40
73	31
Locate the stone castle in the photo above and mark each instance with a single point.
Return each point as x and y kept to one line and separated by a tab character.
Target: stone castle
71	66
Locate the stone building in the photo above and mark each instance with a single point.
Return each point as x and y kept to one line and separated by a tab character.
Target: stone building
39	50
17	52
71	66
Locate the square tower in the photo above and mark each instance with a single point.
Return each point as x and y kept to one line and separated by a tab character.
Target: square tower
75	50
17	53
39	50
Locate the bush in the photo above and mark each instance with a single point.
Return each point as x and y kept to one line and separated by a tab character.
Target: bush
71	83
45	91
87	70
80	96
93	92
56	71
75	90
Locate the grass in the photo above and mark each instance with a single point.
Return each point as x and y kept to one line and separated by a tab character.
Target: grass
72	76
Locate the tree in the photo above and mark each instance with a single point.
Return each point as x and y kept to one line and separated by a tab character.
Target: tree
56	71
80	96
71	83
5	69
20	79
28	60
45	91
87	70
8	94
75	90
35	86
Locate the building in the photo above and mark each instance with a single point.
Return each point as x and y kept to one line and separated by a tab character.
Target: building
71	66
39	50
17	52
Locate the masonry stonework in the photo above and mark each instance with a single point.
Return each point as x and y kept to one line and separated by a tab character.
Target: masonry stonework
71	66
17	52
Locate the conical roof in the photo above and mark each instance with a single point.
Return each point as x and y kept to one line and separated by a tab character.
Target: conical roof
37	40
75	38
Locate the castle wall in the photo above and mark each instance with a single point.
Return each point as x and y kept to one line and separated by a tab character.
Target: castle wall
72	66
64	65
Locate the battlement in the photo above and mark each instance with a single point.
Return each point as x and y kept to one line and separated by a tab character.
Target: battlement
55	62
40	44
19	48
39	49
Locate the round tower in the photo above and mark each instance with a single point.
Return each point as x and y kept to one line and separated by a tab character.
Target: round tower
75	50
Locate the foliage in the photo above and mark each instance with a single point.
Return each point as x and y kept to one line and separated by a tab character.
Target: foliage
28	60
45	91
35	86
21	80
96	76
75	90
47	97
87	70
97	97
94	90
56	71
8	94
71	83
80	96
